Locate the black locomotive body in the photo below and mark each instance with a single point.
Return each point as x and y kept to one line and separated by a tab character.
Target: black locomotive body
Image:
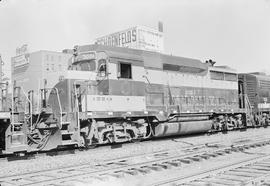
256	86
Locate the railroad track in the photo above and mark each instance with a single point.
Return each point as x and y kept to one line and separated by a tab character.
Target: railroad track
255	171
129	166
73	150
100	170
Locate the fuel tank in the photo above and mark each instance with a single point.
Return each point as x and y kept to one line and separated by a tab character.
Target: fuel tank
181	128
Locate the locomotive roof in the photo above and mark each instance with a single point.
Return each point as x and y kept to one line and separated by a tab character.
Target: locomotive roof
223	69
148	58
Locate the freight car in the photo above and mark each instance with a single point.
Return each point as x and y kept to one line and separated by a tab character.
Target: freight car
111	95
257	88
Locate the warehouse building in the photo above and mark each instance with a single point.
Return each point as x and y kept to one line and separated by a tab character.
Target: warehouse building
43	67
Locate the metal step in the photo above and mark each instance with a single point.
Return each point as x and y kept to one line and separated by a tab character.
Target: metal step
66	132
50	122
16	148
16	142
68	142
18	134
51	126
65	122
17	124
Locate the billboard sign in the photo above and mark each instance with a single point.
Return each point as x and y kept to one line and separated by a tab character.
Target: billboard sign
150	39
20	60
119	39
139	37
22	56
22	50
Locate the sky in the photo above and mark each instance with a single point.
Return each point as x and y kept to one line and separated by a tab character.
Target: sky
235	33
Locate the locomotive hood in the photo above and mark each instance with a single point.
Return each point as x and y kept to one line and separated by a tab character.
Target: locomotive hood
151	59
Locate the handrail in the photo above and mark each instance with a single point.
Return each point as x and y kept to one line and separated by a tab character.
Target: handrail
38	100
12	108
60	107
248	107
31	108
1	98
2	89
247	100
144	76
59	102
77	104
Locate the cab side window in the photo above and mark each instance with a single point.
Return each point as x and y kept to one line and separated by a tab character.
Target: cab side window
125	70
102	67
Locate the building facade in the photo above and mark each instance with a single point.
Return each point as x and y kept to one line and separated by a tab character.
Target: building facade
37	70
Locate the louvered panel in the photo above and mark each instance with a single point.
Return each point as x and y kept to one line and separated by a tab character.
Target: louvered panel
264	84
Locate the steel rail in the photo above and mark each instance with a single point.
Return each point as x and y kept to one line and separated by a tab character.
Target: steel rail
119	167
198	176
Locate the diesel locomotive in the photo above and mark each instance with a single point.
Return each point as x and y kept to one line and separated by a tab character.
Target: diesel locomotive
112	95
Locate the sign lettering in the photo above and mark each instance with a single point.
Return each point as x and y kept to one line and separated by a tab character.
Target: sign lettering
22	56
119	39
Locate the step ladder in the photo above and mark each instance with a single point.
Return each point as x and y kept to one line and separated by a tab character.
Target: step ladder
66	134
16	137
16	133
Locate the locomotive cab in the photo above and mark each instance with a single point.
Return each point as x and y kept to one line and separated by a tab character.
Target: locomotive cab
113	79
90	62
104	98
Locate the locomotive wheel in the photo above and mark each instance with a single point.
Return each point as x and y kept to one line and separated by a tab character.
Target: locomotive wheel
82	141
224	127
91	144
265	124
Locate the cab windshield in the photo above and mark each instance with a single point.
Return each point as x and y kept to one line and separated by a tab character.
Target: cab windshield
87	65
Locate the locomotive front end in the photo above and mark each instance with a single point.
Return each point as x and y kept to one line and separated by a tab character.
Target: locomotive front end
100	105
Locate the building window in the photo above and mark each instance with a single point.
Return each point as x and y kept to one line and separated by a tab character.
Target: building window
60	67
125	71
52	67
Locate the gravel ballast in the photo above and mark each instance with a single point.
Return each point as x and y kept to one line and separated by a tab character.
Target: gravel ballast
105	153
